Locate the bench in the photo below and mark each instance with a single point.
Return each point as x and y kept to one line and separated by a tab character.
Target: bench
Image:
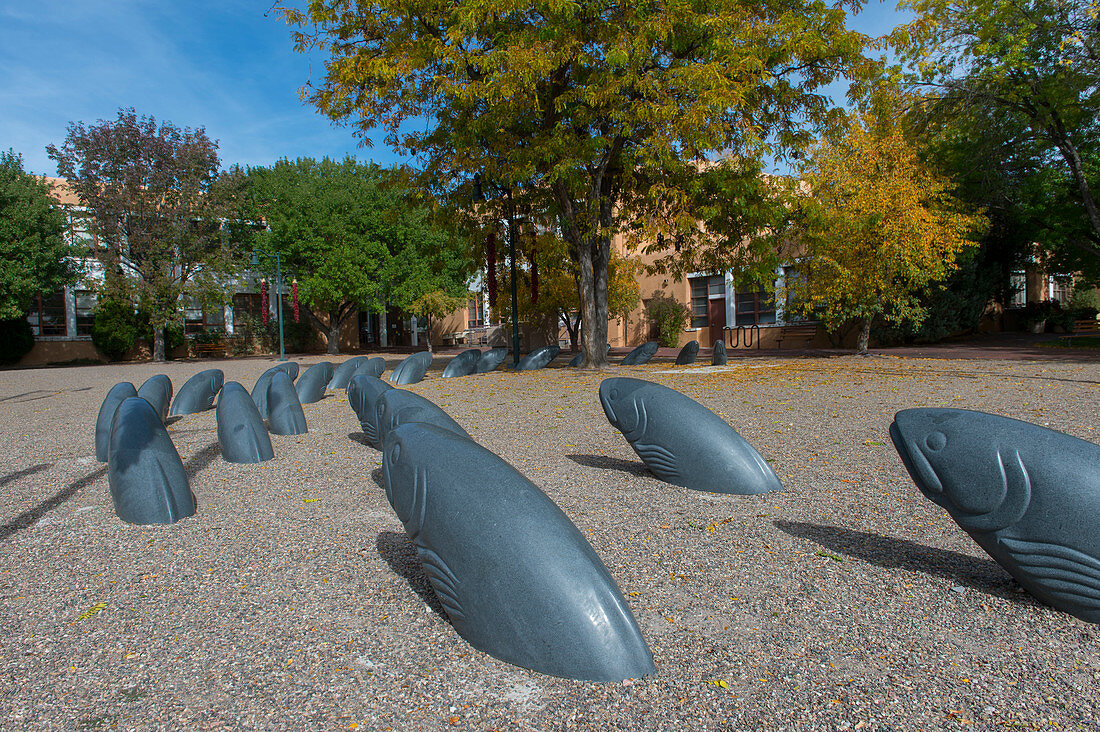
211	349
805	333
1086	328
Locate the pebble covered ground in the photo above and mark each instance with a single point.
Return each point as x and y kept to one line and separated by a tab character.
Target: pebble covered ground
293	600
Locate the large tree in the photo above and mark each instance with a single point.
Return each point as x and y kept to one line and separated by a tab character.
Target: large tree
355	238
879	226
1024	75
36	257
584	102
151	191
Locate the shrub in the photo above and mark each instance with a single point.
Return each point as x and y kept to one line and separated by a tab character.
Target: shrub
115	328
16	339
669	318
1084	303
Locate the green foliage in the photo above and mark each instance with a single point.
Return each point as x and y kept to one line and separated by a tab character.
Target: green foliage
1084	302
36	258
116	327
16	340
669	317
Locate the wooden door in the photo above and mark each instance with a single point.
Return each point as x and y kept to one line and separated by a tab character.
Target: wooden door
716	318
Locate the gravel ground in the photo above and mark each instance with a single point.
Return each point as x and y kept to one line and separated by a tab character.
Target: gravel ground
292	599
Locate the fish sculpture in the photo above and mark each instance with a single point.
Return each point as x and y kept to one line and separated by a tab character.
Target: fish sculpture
641	354
311	386
241	431
412	369
491	359
688	354
144	473
463	364
373	366
106	416
197	393
290	367
538	358
515	576
259	390
284	411
363	393
1028	495
343	373
398	406
157	390
682	442
718	357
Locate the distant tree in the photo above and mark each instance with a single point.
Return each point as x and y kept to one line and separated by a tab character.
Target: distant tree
151	191
879	227
586	102
36	257
354	238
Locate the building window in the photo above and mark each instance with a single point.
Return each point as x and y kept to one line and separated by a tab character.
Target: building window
755	307
704	289
1017	283
247	304
47	316
199	317
82	232
85	308
475	312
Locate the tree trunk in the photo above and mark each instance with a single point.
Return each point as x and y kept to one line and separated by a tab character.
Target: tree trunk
1060	136
864	336
334	336
158	343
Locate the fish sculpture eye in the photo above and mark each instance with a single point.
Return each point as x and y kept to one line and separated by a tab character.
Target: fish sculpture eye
936	441
395	453
614	394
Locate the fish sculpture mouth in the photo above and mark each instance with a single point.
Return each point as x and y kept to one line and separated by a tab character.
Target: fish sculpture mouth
916	463
623	409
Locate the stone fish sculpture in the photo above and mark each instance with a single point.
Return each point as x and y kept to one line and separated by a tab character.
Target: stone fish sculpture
688	354
117	394
363	393
538	358
145	474
241	431
463	364
157	390
290	367
259	390
311	386
412	369
398	406
491	359
641	354
284	411
718	358
515	576
1028	495
682	442
197	393
343	373
373	366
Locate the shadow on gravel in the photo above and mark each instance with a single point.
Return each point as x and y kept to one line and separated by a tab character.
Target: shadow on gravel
376	476
886	551
10	477
400	554
202	459
604	462
31	516
360	438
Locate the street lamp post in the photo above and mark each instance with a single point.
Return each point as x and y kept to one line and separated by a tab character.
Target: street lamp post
279	291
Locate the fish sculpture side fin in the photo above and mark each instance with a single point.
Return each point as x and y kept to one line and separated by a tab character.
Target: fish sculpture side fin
443	581
1014	504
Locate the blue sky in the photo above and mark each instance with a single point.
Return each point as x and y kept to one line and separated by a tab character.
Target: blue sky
226	65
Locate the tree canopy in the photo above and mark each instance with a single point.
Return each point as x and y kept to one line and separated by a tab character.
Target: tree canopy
156	208
36	256
879	226
590	104
355	238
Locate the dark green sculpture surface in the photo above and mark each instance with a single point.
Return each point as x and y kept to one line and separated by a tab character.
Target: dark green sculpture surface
197	393
312	384
517	579
106	416
259	390
284	411
290	367
144	473
640	355
682	442
538	358
157	390
241	431
341	377
412	369
491	359
373	366
1028	495
718	358
688	353
363	393
463	364
398	406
